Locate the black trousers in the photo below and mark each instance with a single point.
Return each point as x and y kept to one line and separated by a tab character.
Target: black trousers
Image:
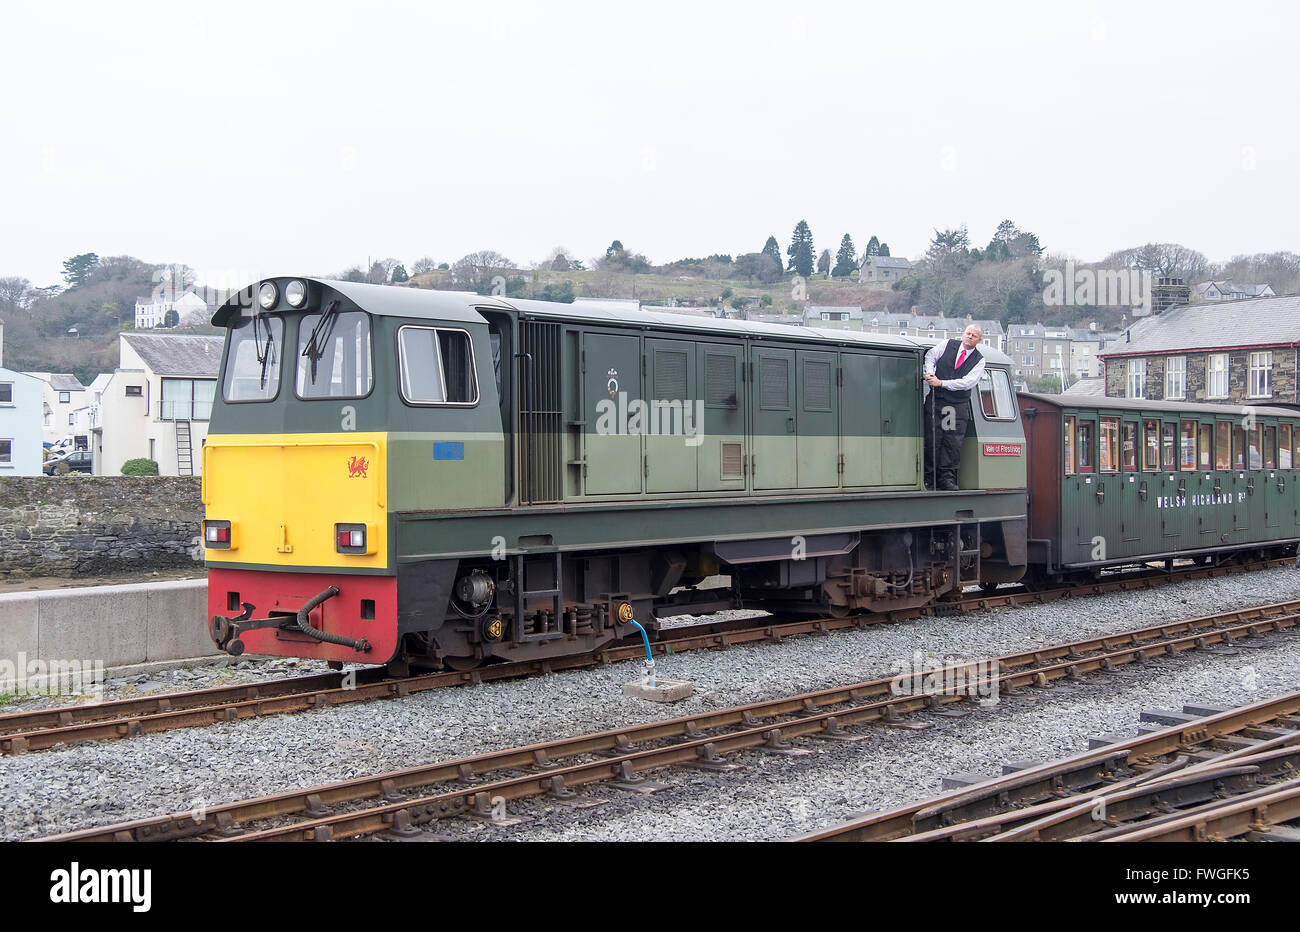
946	443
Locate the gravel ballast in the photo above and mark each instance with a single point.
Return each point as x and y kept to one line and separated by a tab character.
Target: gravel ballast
773	797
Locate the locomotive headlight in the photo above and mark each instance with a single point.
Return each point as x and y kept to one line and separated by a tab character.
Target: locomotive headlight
296	293
267	295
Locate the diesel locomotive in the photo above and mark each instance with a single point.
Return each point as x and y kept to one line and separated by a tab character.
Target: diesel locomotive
430	479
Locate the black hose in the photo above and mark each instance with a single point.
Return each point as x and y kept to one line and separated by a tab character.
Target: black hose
305	627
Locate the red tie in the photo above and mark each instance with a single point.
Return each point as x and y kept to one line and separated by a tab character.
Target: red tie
960	357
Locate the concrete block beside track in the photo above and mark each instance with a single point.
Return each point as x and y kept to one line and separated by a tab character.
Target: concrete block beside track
116	625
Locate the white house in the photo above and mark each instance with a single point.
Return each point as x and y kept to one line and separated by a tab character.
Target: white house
63	394
189	308
157	403
20	420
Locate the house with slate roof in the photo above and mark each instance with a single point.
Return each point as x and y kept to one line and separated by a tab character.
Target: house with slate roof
157	403
63	394
1234	352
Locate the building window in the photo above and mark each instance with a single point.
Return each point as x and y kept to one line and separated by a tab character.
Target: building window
1137	378
134	391
1216	375
1261	364
65	397
6	452
1176	377
72	419
187	399
6	393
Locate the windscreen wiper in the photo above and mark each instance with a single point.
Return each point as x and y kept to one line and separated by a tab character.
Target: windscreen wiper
264	351
320	335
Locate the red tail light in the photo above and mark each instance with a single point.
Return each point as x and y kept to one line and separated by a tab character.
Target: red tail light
217	535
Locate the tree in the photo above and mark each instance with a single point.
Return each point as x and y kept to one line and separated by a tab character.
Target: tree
801	250
557	260
1162	260
873	249
477	270
846	259
1046	384
398	276
726	293
171	318
884	250
378	274
824	262
423	266
16	293
76	271
772	249
615	249
353	274
1010	242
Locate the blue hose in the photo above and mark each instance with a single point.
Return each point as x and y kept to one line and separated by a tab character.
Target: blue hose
649	657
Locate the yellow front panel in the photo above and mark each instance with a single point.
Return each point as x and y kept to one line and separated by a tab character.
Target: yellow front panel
284	493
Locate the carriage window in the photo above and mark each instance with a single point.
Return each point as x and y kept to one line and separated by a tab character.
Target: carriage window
1238	448
1256	445
1108	455
1086	429
334	355
253	359
1167	460
1222	445
1129	452
1207	446
995	396
1284	460
1151	445
437	366
1270	448
1187	446
1069	446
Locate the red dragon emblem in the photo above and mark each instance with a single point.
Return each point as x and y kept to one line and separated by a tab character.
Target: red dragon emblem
357	467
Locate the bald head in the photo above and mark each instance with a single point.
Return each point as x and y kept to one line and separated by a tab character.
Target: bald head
972	337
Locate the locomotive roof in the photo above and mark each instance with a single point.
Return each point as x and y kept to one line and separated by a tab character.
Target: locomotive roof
463	306
1149	404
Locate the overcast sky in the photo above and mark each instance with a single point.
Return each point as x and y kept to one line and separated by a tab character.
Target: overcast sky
297	138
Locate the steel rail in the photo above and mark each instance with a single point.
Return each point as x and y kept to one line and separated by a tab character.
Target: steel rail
993	798
819	711
21	732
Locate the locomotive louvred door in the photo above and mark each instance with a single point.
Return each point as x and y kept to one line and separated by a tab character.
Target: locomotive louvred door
611	429
860	419
670	454
817	425
774	458
723	450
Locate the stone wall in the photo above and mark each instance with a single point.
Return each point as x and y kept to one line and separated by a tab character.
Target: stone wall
1282	378
78	525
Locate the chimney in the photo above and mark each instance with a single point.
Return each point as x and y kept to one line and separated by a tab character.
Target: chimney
1169	292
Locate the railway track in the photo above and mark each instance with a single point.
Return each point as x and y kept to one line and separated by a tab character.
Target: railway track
1215	776
482	785
21	732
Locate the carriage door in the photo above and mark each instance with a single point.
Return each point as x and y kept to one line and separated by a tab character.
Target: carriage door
817	424
900	420
611	382
774	458
1130	504
860	415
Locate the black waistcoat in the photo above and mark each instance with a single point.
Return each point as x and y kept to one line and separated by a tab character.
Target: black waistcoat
946	368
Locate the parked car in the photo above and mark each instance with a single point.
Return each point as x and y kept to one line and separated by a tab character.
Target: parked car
80	461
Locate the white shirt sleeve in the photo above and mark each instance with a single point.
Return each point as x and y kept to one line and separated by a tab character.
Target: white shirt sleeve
968	381
932	356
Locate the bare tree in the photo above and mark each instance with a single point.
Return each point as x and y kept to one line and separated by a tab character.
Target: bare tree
423	266
1163	260
477	269
16	293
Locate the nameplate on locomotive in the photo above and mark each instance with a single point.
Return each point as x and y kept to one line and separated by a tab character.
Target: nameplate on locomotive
1003	449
